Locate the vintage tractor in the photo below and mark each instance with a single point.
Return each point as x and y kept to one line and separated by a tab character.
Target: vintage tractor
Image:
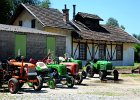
46	74
58	72
15	74
101	67
73	68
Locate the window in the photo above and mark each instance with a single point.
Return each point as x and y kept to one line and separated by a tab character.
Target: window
119	52
82	51
33	23
20	23
102	52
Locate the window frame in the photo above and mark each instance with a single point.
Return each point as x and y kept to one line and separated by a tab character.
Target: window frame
119	52
20	23
33	21
100	51
84	51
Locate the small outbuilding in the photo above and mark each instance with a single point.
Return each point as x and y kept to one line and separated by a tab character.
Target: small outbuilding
29	42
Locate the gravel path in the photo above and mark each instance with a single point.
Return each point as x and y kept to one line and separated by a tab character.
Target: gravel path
92	89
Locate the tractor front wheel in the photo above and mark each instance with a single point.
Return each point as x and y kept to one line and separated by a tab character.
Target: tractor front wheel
13	85
70	82
51	83
101	75
116	75
89	71
79	79
38	85
84	74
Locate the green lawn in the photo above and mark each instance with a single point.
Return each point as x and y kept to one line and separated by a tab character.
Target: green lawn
128	67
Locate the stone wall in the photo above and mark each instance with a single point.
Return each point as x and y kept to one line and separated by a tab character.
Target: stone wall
7	44
36	46
60	46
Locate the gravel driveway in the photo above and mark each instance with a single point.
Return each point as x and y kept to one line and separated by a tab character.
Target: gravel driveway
127	88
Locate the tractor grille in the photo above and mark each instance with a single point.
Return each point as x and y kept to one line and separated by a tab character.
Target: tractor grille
63	71
109	66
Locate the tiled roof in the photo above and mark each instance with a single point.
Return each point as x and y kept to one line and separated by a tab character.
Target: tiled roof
12	28
48	16
114	34
86	15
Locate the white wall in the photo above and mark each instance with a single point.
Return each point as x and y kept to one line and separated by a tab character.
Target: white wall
26	18
128	54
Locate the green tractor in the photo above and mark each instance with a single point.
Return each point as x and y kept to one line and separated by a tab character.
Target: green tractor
44	72
53	72
101	67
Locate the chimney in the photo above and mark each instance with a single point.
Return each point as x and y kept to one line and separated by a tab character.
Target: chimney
74	11
65	14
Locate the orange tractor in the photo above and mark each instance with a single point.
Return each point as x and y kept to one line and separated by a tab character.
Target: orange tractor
16	73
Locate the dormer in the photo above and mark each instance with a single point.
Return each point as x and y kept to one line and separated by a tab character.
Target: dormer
90	20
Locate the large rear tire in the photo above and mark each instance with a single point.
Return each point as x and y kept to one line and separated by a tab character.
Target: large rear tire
13	85
70	82
89	70
116	75
37	86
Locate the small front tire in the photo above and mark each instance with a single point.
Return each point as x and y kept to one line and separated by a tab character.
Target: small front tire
70	82
13	85
38	85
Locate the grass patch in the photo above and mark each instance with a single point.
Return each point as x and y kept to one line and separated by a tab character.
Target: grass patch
104	93
128	67
131	75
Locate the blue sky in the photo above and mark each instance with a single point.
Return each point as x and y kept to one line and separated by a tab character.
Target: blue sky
127	12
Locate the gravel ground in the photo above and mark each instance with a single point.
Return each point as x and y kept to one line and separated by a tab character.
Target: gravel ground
127	88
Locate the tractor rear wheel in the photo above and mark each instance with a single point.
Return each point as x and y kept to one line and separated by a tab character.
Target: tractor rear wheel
38	85
70	82
13	85
79	79
51	83
89	70
101	75
84	74
116	75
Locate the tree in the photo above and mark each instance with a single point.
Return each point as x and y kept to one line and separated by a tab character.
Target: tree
122	27
113	22
6	6
45	3
137	49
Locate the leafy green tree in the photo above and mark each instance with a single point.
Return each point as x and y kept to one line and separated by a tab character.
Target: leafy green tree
112	22
45	3
122	27
6	7
137	49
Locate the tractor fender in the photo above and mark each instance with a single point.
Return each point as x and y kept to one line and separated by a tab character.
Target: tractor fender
91	63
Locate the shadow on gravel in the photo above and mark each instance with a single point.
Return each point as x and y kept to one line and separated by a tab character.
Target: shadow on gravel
109	80
68	88
30	90
4	90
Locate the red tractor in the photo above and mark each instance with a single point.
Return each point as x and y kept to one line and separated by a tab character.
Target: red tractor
16	73
73	70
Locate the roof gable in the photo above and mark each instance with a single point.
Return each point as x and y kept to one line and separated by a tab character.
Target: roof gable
46	16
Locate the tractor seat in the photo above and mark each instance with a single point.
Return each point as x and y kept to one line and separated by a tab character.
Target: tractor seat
42	65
